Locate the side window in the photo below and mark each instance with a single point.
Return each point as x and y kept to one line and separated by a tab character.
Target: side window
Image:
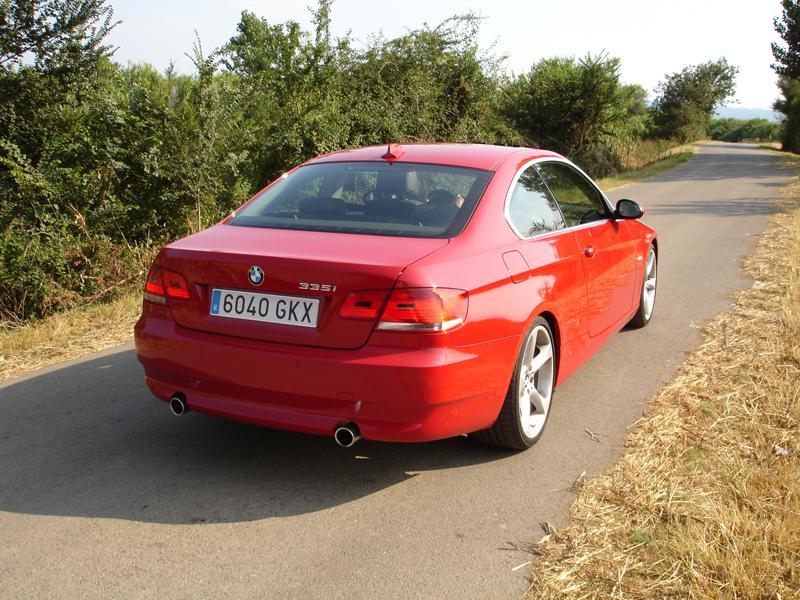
532	209
579	200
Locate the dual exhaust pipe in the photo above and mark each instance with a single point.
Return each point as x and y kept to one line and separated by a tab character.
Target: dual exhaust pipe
345	435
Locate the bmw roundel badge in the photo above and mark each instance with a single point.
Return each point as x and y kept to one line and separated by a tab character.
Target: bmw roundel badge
256	275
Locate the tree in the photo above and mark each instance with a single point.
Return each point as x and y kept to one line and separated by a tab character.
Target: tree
789	105
788	27
787	66
431	84
57	167
62	36
573	106
686	101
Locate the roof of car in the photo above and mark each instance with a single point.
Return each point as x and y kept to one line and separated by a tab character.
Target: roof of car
475	156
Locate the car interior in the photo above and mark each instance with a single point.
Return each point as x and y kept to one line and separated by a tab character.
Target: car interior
395	196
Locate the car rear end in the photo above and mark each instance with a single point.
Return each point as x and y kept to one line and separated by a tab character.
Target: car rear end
298	313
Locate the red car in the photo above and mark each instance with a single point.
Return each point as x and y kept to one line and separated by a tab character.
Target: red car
402	294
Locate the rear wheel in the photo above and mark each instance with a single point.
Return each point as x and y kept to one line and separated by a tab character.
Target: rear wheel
647	300
527	404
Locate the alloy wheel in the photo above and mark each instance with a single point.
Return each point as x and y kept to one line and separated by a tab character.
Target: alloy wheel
535	385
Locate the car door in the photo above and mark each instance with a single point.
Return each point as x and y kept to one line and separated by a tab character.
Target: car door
546	258
604	243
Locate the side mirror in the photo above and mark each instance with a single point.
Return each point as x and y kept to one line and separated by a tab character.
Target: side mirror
628	209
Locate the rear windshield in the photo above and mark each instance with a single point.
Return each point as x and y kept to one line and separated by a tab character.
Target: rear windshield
398	199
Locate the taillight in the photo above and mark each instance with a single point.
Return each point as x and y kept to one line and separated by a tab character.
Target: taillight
175	285
424	309
153	287
162	283
363	305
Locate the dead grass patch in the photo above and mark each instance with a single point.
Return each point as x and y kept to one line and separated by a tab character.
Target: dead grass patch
68	335
705	503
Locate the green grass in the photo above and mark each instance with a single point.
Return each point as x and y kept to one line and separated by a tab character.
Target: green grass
654	168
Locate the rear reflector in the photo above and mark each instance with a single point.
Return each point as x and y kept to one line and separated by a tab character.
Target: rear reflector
364	305
424	309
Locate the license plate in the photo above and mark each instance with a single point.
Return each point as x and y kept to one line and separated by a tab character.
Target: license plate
267	308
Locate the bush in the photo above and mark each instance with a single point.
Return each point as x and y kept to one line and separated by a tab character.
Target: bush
569	106
740	130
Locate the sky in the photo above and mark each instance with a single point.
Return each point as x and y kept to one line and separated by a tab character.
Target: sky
652	38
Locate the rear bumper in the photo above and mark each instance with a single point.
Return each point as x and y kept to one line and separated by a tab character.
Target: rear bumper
393	394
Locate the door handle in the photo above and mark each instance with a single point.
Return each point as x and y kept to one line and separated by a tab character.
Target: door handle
589	252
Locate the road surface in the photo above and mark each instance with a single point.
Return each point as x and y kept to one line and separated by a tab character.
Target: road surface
104	493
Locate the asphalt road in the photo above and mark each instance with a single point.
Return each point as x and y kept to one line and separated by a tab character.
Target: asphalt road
103	493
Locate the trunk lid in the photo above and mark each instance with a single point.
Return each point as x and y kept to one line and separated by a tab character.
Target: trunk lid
221	256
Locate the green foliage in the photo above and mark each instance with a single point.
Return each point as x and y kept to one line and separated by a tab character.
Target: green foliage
307	94
99	163
578	108
787	58
62	37
789	105
740	130
686	100
787	66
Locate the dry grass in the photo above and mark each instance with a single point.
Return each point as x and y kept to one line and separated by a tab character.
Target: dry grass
706	501
67	335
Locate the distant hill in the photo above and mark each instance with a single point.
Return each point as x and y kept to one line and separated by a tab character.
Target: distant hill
737	112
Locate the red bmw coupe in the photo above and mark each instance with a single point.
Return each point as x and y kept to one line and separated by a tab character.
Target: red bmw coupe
407	293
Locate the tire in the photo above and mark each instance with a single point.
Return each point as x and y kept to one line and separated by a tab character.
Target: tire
514	429
647	297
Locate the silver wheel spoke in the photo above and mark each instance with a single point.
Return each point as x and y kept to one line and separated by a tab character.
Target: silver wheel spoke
540	359
539	403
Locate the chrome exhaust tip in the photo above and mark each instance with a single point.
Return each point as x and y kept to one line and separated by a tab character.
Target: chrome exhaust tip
347	434
177	404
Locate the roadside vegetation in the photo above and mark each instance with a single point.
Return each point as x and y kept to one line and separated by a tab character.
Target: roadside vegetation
68	335
744	130
705	503
29	346
101	163
671	159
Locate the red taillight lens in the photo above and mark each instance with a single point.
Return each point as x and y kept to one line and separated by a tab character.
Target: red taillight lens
153	287
424	309
363	305
161	284
175	285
